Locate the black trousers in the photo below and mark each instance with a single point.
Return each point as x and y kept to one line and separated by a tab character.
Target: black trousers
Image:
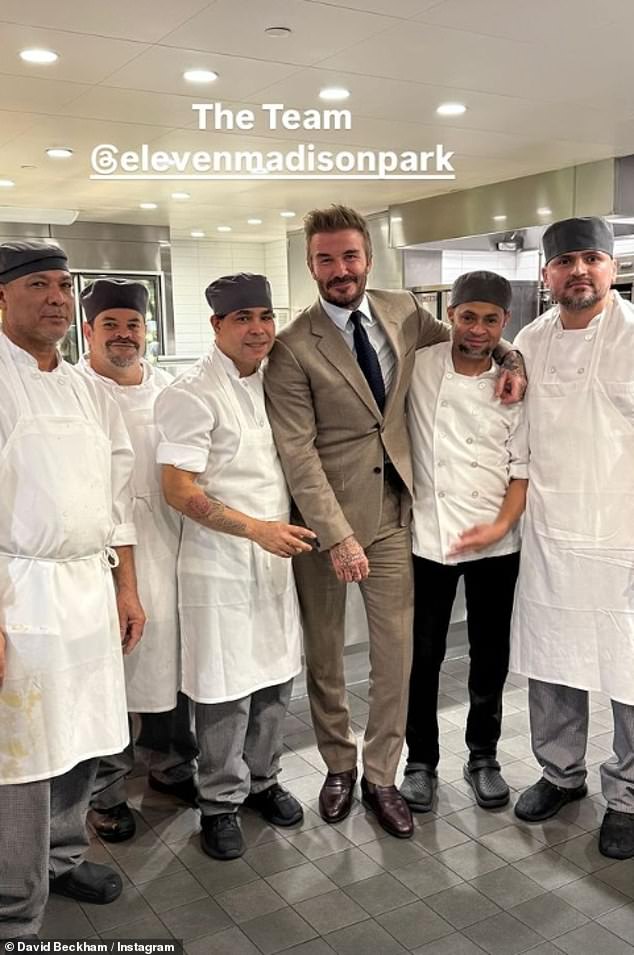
489	591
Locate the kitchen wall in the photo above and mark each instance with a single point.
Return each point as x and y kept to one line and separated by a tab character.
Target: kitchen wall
195	263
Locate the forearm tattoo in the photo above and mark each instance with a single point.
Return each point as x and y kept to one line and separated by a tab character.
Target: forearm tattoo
210	513
513	362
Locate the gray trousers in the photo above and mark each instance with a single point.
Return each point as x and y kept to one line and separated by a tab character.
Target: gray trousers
42	834
240	747
172	751
559	734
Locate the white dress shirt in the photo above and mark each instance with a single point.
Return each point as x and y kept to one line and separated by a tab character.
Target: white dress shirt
466	447
378	338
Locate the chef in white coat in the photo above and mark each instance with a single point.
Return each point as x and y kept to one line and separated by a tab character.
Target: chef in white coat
240	622
469	459
65	531
573	627
115	312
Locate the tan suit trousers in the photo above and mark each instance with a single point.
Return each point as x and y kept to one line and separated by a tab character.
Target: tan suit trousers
388	598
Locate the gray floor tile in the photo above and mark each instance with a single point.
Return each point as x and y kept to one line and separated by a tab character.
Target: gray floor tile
456	944
549	915
348	866
450	799
217	876
172	891
585	813
584	852
361	828
392	853
232	941
129	907
475	822
196	919
507	887
427	877
503	935
592	897
380	894
256	831
552	832
149	927
621	922
511	843
301	882
277	931
438	835
316	946
549	869
143	865
273	857
470	860
593	939
65	918
250	901
317	843
414	924
331	912
364	937
462	905
177	826
620	875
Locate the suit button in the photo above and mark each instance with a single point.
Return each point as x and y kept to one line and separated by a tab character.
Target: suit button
377	470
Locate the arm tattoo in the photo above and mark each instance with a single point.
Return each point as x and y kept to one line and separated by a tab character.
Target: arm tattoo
212	514
513	361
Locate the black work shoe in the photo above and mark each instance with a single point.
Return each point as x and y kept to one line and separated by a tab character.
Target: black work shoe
489	788
221	836
184	790
113	825
616	838
89	882
544	800
418	789
277	805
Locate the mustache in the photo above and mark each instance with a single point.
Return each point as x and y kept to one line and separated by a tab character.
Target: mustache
335	282
123	341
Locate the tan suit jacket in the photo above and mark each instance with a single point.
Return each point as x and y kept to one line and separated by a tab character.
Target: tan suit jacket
331	437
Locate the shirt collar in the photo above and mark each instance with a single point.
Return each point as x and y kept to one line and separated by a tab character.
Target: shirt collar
25	358
341	316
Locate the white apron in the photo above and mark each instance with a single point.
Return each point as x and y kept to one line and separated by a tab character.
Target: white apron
152	671
574	611
63	699
240	622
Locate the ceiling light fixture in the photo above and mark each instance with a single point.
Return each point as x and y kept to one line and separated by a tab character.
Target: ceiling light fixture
544	211
59	152
148	205
500	218
7	183
288	214
334	93
38	56
224	228
278	31
200	76
181	195
197	234
37	216
254	221
451	109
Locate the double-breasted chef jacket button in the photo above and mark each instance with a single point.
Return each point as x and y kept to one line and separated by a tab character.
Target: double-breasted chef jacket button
588	338
469	440
449	375
580	371
441	494
552	370
444	404
377	470
474	464
475	494
482	385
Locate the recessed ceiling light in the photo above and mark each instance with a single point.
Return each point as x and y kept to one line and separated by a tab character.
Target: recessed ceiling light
181	195
288	214
224	228
254	221
6	183
278	31
544	211
59	152
397	218
197	234
148	205
500	218
38	56
451	109
200	76
334	93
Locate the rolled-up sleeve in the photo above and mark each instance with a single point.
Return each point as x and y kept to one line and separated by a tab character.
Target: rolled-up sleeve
185	424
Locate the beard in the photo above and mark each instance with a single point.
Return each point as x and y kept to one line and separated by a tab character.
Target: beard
125	360
588	298
331	292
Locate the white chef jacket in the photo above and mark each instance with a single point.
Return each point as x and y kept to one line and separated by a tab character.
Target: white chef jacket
65	463
466	447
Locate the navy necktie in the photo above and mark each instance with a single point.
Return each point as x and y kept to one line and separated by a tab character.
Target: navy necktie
368	360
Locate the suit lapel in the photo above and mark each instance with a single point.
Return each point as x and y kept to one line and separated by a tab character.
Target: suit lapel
390	327
332	346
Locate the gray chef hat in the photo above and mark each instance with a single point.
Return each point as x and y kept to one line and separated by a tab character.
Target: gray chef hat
243	290
481	286
21	258
103	294
584	234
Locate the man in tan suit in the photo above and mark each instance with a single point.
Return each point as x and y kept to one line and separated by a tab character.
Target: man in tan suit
336	384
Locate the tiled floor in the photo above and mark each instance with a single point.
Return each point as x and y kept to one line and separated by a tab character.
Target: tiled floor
469	881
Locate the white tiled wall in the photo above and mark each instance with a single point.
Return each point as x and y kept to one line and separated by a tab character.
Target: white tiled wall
196	263
512	265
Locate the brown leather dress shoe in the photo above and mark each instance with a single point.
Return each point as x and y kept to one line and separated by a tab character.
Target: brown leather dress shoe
389	807
335	798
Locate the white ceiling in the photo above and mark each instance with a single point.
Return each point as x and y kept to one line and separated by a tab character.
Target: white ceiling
547	83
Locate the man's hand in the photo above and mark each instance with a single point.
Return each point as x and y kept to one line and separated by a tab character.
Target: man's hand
283	540
131	619
3	650
479	537
349	561
512	381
